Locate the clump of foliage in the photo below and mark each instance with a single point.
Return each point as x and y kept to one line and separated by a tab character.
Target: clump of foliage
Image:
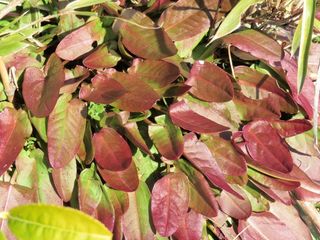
160	119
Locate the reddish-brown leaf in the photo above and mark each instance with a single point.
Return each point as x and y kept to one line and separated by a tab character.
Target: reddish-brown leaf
191	227
102	89
292	127
266	146
210	83
200	156
266	226
124	180
80	41
169	202
257	85
66	127
41	91
15	128
182	115
102	57
230	161
73	78
156	73
234	207
112	152
133	134
144	39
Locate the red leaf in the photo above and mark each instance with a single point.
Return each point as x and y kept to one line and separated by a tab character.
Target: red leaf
124	180
102	90
41	92
234	207
66	127
230	161
135	37
292	127
266	147
133	134
80	41
257	85
169	203
102	57
138	96
210	83
200	156
111	151
264	226
15	128
156	73
183	116
73	78
191	227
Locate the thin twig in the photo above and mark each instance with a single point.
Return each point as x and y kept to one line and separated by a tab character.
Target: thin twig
8	87
12	5
316	109
242	231
230	60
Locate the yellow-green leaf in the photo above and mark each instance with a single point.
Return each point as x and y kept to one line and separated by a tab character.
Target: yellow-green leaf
38	222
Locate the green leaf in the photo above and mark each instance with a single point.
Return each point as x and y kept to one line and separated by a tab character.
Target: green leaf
296	38
233	19
40	222
82	3
309	9
2	236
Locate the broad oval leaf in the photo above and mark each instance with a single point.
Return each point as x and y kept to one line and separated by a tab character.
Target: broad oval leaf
64	179
182	115
66	126
138	96
266	147
80	41
112	152
292	127
102	89
136	222
15	128
41	92
200	156
156	73
125	180
39	220
264	226
234	207
230	161
140	30
191	227
187	18
102	57
167	137
209	82
169	203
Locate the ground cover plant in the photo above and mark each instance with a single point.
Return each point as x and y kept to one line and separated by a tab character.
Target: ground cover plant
159	119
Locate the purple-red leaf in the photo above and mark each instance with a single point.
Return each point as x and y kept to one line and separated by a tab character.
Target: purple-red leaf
191	227
41	91
15	128
210	83
124	180
292	127
169	202
200	156
182	115
265	226
80	41
102	90
112	152
230	161
266	146
234	207
143	38
66	126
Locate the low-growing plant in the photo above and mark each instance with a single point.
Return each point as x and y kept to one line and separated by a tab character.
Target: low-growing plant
161	119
